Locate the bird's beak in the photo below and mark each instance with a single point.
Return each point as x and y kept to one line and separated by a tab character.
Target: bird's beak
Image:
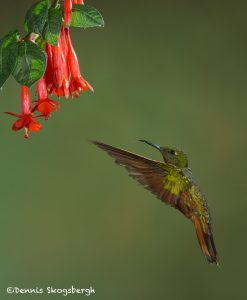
151	144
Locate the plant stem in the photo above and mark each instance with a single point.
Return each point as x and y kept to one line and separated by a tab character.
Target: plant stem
31	37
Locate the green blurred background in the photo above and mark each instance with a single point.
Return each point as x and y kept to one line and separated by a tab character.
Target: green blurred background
172	72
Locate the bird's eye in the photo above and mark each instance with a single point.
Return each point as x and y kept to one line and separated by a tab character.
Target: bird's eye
173	152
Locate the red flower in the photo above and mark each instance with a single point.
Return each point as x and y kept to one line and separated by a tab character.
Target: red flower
56	76
49	68
64	45
78	83
67	11
26	119
44	105
78	2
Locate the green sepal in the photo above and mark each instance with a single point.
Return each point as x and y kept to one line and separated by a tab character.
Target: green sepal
86	16
53	26
36	17
30	63
8	45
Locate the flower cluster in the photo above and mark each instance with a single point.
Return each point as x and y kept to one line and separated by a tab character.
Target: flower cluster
62	78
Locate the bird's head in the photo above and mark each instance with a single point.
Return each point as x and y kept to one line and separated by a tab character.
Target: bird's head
172	156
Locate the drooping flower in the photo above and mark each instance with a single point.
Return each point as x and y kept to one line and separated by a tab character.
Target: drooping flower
57	66
49	68
26	119
64	45
56	76
44	105
67	12
77	83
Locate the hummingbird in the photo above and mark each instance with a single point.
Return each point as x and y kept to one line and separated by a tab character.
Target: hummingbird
172	182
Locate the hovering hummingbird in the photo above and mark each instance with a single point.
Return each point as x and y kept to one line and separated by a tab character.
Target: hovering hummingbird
172	182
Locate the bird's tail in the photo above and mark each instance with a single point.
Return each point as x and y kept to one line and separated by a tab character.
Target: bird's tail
206	242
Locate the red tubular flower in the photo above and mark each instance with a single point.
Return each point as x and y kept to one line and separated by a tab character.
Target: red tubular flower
49	68
44	105
67	11
78	83
64	45
57	66
26	119
78	2
57	77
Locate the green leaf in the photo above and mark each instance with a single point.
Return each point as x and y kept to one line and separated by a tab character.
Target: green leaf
36	17
40	42
86	16
30	64
53	26
8	46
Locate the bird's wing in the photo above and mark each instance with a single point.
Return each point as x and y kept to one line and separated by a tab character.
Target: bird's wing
164	180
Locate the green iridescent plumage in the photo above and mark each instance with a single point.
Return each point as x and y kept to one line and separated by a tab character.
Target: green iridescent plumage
172	182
